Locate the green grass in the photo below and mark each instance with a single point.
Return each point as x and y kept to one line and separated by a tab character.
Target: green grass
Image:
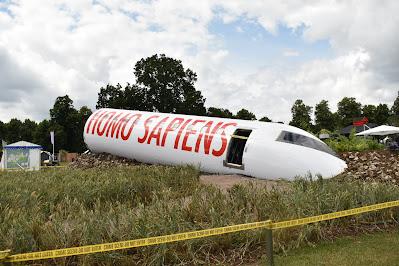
64	207
370	249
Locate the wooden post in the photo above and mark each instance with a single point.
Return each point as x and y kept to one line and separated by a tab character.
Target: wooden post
269	246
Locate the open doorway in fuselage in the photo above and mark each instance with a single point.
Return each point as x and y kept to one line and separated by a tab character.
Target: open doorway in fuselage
236	148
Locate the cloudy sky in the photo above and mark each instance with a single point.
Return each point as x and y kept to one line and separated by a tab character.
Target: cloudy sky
260	55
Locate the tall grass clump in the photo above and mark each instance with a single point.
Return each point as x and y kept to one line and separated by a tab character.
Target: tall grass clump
65	208
353	143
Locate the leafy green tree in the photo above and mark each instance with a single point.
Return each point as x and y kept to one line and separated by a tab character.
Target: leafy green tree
265	119
169	87
110	97
382	114
393	120
369	111
81	117
337	120
62	111
163	85
2	131
394	117
193	103
245	115
219	112
64	121
67	124
349	109
13	130
84	114
135	98
41	135
323	117
301	115
28	129
132	97
60	138
395	106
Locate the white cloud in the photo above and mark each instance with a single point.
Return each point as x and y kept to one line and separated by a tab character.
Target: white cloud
347	25
290	53
239	29
362	34
75	47
272	91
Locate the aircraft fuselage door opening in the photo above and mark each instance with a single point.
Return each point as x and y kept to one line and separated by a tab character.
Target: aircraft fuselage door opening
235	151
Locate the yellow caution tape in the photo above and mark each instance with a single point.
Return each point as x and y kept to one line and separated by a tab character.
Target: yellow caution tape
57	253
4	254
28	169
54	166
14	169
334	215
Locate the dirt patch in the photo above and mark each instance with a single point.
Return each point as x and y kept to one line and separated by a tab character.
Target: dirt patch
225	182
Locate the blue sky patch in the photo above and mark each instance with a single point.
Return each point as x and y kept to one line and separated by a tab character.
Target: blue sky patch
4	8
250	45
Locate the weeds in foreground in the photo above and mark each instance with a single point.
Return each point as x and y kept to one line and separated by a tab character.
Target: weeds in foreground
65	208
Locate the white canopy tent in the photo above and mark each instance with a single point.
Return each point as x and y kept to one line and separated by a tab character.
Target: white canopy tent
21	155
380	131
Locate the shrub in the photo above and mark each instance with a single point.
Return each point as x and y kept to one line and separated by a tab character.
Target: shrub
353	143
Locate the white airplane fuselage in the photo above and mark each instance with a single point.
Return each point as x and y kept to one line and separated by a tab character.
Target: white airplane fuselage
215	145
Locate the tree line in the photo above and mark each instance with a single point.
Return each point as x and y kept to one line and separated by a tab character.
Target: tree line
348	111
162	84
66	122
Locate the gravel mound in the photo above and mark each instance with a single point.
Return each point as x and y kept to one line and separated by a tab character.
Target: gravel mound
379	165
101	160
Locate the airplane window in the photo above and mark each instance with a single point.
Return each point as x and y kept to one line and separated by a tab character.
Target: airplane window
298	139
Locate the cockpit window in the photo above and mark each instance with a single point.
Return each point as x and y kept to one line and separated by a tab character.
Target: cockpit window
298	139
